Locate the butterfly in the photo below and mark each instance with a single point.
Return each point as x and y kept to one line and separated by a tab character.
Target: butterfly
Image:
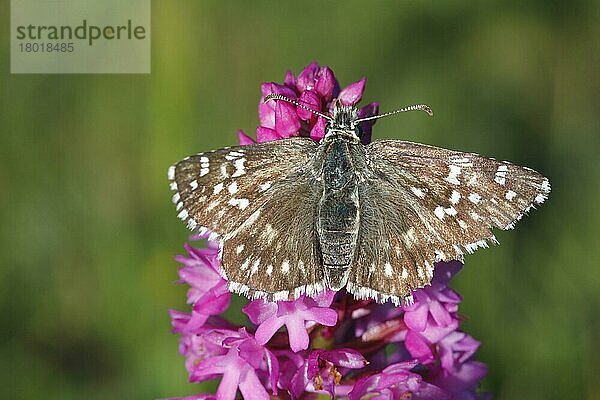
296	217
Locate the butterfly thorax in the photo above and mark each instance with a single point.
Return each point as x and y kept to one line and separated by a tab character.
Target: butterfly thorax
338	211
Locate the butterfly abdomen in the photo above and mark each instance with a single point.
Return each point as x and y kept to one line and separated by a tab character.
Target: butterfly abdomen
338	219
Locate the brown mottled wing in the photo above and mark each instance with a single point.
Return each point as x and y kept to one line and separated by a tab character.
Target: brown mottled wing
275	254
260	200
423	204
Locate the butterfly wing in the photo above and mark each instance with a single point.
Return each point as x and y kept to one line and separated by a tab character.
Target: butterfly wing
260	200
427	204
274	254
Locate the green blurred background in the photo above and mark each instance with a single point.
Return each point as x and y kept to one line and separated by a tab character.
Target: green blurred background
88	232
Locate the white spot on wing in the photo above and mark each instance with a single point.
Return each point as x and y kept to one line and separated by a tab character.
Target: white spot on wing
204	171
455	197
264	186
171	172
223	168
194	184
420	271
239	249
453	175
234	155
500	177
450	211
285	267
439	212
418	192
212	205
270	232
233	188
439	255
429	268
388	269
218	187
404	273
476	216
239	203
245	264
255	265
510	195
474	198
239	167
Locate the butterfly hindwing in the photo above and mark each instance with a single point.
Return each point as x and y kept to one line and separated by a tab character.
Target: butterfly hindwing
388	261
275	254
260	200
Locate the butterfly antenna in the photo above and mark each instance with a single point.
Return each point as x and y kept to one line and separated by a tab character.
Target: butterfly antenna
275	96
414	107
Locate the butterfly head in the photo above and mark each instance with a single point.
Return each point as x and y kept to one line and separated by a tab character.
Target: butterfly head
343	121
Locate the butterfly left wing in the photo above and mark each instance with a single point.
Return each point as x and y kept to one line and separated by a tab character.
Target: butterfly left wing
260	200
428	204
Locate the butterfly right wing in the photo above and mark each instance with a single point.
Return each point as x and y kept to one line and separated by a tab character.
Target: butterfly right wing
425	204
260	200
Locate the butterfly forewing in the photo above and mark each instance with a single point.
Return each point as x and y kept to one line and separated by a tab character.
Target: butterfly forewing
220	189
260	200
462	186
